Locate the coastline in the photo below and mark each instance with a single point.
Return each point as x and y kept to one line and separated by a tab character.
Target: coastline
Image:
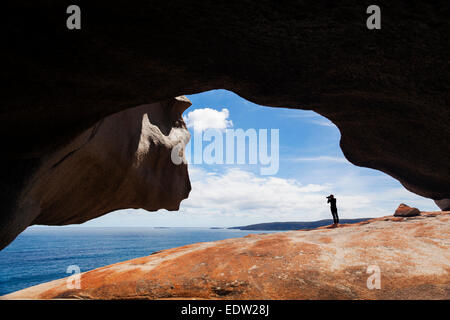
323	263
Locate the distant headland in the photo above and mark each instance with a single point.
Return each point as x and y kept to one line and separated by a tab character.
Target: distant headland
295	225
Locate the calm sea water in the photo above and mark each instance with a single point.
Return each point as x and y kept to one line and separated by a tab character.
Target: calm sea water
42	254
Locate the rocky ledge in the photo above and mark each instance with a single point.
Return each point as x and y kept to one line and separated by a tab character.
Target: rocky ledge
411	254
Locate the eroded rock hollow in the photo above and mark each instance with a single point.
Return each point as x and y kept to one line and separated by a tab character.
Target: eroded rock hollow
387	90
123	161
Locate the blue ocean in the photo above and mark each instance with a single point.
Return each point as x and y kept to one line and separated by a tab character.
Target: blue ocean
42	254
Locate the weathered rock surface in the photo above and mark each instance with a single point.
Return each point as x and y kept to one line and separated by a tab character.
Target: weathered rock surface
123	161
387	90
412	254
404	210
444	204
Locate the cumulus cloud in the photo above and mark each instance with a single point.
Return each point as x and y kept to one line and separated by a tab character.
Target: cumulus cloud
207	118
240	197
237	192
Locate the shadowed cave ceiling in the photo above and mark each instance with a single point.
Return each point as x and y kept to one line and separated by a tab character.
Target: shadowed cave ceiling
386	90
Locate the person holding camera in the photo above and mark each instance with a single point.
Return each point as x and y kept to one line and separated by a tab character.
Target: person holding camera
333	207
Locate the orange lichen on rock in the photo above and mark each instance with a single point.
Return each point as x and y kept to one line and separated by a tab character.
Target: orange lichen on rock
412	254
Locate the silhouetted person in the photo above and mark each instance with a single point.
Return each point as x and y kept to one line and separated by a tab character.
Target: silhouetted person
334	212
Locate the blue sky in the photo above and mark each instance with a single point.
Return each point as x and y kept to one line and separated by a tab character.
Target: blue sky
311	167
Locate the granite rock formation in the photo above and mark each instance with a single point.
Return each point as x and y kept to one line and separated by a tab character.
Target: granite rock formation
404	210
411	256
123	161
387	90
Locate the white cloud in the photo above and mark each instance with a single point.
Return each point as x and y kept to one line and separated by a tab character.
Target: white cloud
238	193
323	122
299	114
239	197
322	158
309	117
207	118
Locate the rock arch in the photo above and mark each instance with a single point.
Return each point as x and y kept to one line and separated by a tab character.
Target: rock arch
387	90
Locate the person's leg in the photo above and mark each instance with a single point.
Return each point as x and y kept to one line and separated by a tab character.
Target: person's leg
334	216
